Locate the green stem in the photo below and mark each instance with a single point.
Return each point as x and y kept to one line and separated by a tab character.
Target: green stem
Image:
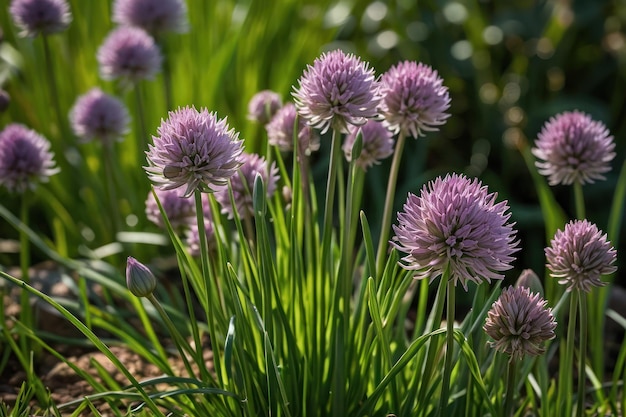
510	388
565	371
167	76
582	355
54	95
111	187
329	201
25	310
447	370
142	139
389	200
579	200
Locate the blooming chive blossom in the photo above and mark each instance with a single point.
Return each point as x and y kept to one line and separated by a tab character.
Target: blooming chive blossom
336	91
97	114
414	99
280	131
178	209
242	185
519	322
579	255
129	54
573	148
40	16
25	158
194	149
455	223
377	144
263	105
153	16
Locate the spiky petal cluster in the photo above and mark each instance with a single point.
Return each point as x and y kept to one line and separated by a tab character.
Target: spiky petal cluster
377	143
263	105
153	16
97	114
573	148
280	131
25	158
178	208
456	225
40	16
336	91
129	54
579	255
414	99
242	184
193	149
519	323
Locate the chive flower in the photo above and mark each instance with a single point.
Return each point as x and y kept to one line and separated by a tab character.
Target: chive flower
456	225
193	149
414	99
377	144
573	148
97	114
519	323
45	17
139	279
336	91
178	208
154	16
280	131
263	105
129	54
579	255
242	185
25	158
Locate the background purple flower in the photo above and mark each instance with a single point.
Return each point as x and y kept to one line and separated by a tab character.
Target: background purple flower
129	54
414	99
242	184
455	223
579	255
180	210
40	16
572	147
25	158
280	131
263	105
336	91
97	114
519	322
192	237
193	149
377	144
154	16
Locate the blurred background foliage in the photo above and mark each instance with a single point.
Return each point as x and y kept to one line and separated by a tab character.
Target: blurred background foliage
510	66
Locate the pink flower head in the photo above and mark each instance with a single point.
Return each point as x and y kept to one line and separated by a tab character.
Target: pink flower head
153	16
377	144
263	105
280	131
456	225
129	54
519	322
40	16
178	208
25	158
193	149
336	91
579	255
572	147
414	99
242	184
97	114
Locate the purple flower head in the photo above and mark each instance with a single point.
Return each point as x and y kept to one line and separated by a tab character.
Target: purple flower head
97	114
519	322
193	149
414	99
263	105
25	158
280	131
572	147
377	144
139	279
153	16
242	184
456	225
129	54
579	255
178	208
336	91
40	16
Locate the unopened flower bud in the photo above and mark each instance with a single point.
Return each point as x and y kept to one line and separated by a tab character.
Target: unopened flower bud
530	280
139	279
